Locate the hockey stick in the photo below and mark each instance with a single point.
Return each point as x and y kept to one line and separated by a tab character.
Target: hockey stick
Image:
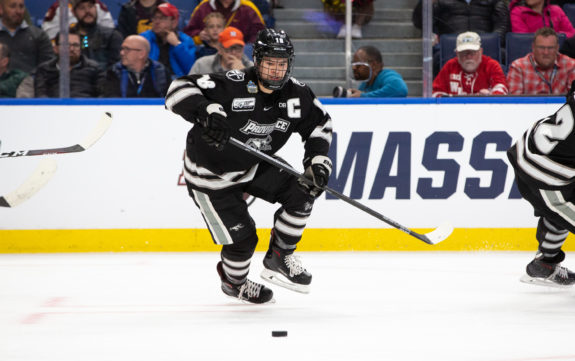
37	180
433	237
99	130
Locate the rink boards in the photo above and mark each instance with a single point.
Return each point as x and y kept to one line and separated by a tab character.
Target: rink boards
418	162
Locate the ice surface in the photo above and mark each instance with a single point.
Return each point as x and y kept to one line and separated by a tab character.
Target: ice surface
428	306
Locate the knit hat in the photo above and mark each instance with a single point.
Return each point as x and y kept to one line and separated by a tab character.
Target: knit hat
75	3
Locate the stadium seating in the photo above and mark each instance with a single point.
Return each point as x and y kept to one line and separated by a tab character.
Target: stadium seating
519	44
569	10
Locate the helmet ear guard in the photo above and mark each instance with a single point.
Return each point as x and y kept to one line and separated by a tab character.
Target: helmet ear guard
273	44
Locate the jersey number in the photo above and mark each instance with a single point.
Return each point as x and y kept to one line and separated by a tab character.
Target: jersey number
205	82
548	135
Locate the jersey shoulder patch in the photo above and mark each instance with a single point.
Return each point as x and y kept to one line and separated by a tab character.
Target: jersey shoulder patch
236	75
297	82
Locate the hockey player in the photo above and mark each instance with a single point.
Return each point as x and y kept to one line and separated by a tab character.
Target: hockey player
260	106
544	163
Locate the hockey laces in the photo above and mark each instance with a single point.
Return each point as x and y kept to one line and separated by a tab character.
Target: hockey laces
560	272
251	289
294	265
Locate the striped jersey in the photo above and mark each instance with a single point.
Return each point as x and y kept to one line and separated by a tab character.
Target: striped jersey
545	154
264	121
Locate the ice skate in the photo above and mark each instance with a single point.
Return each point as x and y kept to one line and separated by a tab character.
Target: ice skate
548	274
250	291
284	269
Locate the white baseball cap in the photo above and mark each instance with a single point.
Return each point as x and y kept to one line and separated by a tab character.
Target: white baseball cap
468	41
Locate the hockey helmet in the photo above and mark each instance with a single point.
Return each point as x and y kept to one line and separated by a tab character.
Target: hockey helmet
275	44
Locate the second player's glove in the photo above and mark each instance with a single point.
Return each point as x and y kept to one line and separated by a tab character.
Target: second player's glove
318	170
216	131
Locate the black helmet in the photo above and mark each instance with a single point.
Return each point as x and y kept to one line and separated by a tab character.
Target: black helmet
275	44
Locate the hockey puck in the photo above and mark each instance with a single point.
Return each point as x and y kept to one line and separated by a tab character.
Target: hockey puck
279	333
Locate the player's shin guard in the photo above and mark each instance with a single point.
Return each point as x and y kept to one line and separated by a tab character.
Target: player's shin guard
235	283
283	268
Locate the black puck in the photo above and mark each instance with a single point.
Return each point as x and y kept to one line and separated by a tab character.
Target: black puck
279	333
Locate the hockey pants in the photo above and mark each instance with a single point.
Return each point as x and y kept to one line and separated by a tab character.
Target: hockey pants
226	212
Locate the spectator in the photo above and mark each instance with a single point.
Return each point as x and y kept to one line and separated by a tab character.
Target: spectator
241	14
230	54
136	16
470	72
544	70
98	43
28	44
174	49
377	82
51	23
568	47
362	13
9	79
266	10
215	24
459	16
84	73
529	15
136	75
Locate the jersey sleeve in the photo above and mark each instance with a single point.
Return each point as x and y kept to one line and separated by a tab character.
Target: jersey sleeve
186	96
316	127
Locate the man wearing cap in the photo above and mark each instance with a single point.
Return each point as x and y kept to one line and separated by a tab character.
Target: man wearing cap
99	43
169	46
543	70
470	72
51	22
230	54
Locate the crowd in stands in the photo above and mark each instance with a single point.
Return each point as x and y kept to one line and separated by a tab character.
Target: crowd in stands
143	50
136	56
543	68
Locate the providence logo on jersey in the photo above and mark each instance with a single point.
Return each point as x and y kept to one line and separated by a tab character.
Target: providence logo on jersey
260	144
254	128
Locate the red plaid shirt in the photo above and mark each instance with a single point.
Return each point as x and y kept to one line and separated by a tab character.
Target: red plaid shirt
524	78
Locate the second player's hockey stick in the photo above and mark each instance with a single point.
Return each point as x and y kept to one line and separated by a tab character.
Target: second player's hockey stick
37	180
433	237
97	132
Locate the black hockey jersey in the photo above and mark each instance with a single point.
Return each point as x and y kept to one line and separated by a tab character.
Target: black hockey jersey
545	154
264	121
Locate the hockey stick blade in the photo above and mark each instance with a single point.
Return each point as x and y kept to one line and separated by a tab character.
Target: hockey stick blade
33	184
439	234
432	238
97	133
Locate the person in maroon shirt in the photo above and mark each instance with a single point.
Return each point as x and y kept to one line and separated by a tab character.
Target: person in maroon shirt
241	14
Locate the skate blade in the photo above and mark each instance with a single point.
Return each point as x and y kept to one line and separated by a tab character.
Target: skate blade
278	279
241	300
541	282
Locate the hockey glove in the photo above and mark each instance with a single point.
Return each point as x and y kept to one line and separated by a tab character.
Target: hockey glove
216	131
317	170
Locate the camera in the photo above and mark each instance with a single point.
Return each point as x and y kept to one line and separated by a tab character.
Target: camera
340	92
